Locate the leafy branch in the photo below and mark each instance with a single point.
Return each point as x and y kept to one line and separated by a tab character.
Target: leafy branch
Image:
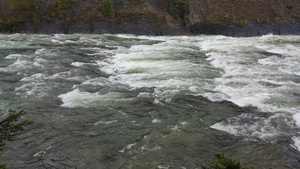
10	127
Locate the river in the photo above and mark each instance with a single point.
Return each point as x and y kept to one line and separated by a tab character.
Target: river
125	101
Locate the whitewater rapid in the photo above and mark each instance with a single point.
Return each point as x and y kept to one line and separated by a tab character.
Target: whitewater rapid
94	71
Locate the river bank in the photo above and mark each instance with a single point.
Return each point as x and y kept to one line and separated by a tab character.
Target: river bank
248	30
152	17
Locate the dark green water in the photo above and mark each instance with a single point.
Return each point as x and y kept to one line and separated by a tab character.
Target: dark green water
121	101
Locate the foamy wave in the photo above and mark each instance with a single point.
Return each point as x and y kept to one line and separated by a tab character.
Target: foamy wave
251	126
37	89
296	142
77	98
14	56
34	77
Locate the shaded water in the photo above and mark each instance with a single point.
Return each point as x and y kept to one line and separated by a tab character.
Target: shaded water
121	101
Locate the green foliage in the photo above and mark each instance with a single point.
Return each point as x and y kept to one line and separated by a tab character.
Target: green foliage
223	162
49	12
8	24
2	166
30	5
10	127
1	15
155	25
177	4
141	1
25	9
107	9
240	23
89	19
63	4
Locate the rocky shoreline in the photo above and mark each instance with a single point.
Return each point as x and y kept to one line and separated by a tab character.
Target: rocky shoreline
151	17
142	29
247	30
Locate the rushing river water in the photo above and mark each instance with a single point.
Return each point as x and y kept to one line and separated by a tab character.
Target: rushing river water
124	101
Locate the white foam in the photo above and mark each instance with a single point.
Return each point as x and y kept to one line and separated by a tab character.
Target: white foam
34	77
39	154
255	71
131	145
40	51
105	122
76	98
77	64
39	62
163	167
297	119
156	121
245	71
5	70
22	63
146	148
296	142
96	82
14	56
252	127
272	60
57	41
216	97
287	50
35	88
184	123
128	147
61	75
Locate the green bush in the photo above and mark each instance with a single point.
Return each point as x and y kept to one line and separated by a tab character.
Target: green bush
1	14
8	24
177	4
107	9
63	4
10	127
61	7
223	162
25	9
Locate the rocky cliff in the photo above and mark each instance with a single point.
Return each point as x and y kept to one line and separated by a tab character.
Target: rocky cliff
152	17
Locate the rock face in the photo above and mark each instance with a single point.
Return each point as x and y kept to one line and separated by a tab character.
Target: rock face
243	17
152	17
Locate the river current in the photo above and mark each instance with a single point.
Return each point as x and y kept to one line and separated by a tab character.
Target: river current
125	101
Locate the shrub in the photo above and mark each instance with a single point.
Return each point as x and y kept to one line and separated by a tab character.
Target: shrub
10	127
223	162
240	23
177	4
63	4
1	14
8	24
107	9
24	10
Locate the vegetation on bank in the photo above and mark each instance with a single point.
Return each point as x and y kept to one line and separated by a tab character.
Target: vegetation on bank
25	9
60	15
65	13
177	4
223	162
107	9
